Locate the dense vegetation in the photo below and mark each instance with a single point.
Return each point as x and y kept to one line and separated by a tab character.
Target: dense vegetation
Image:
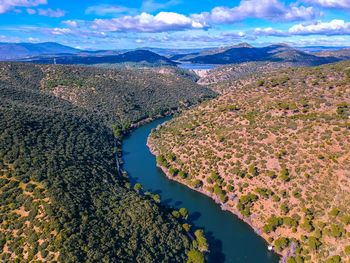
114	94
62	196
276	151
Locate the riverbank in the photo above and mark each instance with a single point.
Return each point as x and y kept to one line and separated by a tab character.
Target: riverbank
230	208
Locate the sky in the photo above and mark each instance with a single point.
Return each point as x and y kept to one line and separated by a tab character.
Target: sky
126	24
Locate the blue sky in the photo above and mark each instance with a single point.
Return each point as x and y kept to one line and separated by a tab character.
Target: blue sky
124	24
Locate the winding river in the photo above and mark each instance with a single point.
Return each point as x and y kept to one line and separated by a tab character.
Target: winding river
230	239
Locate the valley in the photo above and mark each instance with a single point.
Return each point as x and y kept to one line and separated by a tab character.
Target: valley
265	139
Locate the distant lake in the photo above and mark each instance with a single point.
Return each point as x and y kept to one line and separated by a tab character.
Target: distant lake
230	239
197	66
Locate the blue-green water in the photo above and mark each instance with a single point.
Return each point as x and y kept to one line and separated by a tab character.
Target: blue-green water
230	239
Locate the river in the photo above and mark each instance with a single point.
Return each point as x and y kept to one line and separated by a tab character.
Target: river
230	239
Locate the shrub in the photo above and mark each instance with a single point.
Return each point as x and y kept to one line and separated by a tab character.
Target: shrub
253	170
284	175
284	208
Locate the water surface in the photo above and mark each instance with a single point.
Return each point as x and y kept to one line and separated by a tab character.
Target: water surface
230	239
197	66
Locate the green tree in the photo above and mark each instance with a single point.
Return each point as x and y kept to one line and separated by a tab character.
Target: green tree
201	240
183	212
187	227
137	187
281	243
195	256
314	243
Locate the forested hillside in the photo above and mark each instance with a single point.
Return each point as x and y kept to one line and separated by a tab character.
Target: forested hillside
138	57
117	94
276	152
62	197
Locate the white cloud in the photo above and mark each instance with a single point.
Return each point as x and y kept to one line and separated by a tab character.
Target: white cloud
267	9
334	27
60	31
70	23
9	5
163	21
300	13
331	3
51	13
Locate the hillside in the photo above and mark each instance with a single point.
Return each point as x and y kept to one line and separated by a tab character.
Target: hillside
62	197
143	57
276	152
239	73
118	95
11	51
247	53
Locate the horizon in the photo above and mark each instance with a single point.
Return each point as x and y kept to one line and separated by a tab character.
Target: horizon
175	23
184	48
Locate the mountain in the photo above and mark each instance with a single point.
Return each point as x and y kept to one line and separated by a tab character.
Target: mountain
63	197
11	51
207	51
246	53
137	56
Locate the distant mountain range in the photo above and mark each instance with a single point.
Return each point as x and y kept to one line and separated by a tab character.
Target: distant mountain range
49	53
246	53
342	54
145	57
12	51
